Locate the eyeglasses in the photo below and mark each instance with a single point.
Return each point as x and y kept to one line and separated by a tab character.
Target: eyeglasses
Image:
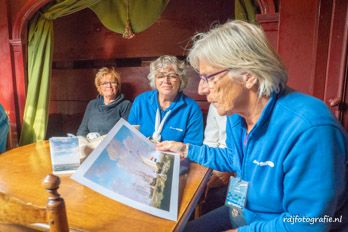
104	84
171	76
209	77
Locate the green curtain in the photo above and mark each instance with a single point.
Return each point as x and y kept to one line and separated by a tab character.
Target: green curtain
40	50
245	10
141	14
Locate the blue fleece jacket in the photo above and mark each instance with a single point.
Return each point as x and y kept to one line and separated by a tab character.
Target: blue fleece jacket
184	124
294	159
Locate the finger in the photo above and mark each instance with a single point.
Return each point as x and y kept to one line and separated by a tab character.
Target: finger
163	146
160	146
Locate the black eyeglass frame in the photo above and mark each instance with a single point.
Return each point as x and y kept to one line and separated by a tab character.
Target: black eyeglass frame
206	78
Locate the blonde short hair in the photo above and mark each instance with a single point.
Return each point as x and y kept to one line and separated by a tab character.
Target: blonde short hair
241	47
165	61
107	71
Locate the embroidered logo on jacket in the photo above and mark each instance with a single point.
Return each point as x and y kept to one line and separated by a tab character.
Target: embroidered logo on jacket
178	129
266	163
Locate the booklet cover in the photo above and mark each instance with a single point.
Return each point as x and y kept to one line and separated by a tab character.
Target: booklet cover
65	154
88	145
127	168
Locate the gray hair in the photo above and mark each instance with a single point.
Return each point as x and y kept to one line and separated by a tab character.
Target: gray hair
243	48
165	61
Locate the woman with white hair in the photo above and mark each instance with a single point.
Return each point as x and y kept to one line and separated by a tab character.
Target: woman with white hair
288	151
166	113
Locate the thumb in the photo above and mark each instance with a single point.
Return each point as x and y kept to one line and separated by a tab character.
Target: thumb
162	146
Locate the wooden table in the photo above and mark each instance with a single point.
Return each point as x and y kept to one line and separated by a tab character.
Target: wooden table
22	170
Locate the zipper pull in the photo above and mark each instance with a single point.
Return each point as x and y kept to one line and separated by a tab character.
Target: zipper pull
246	138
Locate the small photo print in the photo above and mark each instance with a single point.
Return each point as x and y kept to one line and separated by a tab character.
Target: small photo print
65	154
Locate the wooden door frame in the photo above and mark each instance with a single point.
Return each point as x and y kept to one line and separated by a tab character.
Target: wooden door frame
19	47
336	75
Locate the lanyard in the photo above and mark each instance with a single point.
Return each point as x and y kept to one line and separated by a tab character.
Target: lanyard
156	136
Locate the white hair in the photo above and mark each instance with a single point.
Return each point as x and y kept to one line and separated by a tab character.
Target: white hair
166	61
243	48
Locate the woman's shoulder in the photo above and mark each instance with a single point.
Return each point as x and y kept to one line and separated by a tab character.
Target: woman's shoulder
125	102
302	107
92	102
121	99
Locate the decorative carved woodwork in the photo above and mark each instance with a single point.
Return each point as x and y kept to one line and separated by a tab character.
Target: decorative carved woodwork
18	212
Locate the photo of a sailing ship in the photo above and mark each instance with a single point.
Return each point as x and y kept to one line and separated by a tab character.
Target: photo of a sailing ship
127	168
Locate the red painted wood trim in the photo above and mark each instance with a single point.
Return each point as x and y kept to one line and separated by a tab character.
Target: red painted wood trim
298	33
337	58
19	49
269	21
267	18
322	47
266	6
23	16
7	86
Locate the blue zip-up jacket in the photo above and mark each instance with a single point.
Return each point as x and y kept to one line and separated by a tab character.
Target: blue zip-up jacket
294	159
184	124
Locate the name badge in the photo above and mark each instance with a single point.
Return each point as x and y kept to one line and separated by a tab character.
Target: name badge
236	195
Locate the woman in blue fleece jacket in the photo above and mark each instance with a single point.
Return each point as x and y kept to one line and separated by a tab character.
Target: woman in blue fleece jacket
286	147
166	113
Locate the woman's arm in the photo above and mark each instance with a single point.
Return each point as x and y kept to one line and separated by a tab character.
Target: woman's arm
194	129
221	159
83	128
126	109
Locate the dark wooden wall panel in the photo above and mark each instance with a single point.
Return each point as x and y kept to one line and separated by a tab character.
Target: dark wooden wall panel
82	36
68	84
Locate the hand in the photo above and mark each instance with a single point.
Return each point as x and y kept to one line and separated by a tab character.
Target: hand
173	146
224	177
218	179
232	230
214	182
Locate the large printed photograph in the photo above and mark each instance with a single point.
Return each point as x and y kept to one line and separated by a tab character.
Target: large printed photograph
127	168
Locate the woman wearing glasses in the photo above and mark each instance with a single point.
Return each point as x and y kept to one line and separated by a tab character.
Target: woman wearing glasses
110	105
166	113
288	151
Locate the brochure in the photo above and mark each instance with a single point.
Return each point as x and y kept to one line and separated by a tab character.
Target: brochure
127	168
65	154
